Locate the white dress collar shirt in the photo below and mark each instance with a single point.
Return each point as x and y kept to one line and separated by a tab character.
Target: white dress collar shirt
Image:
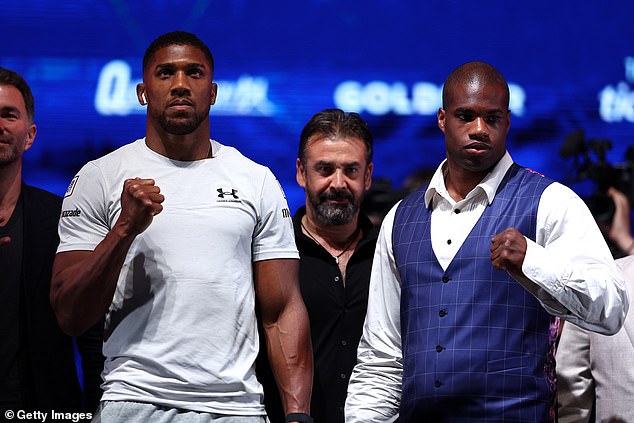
569	262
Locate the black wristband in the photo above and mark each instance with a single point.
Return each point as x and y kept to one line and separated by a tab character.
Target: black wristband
299	417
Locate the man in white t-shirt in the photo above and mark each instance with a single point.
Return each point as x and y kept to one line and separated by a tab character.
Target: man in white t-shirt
174	238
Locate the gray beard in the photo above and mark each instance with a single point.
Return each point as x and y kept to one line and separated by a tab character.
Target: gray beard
334	214
10	157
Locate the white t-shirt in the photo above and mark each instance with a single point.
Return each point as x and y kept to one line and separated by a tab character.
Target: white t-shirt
181	330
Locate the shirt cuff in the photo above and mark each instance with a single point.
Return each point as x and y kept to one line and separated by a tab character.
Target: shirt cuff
541	268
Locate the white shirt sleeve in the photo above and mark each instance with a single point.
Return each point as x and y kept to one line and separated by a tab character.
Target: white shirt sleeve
86	218
374	391
572	265
274	236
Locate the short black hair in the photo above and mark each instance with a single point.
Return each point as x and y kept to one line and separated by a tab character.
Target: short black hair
472	71
332	123
176	38
14	79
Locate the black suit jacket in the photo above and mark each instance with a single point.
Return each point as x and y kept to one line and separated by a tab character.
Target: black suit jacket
53	379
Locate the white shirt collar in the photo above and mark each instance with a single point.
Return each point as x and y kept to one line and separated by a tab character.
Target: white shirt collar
489	184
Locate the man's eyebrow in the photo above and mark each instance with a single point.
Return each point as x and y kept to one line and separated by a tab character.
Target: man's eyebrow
333	163
11	109
470	110
196	65
170	65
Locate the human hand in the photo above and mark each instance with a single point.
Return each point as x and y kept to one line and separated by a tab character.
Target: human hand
620	230
140	201
508	249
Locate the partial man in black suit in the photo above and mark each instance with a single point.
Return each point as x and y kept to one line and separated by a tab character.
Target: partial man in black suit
37	360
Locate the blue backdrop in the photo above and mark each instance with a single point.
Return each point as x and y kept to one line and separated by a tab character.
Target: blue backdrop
570	66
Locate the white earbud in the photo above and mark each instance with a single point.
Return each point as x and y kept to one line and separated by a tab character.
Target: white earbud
144	98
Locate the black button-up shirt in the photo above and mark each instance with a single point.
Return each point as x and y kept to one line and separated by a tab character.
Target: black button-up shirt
336	314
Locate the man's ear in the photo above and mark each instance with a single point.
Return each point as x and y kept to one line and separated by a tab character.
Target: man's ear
140	94
368	176
301	180
214	93
30	136
442	116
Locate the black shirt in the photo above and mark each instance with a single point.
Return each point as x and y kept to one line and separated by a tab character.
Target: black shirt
45	372
336	316
12	354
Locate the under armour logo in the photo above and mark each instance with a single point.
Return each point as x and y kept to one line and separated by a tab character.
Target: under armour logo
222	193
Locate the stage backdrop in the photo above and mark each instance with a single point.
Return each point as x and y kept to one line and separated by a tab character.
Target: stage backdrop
570	66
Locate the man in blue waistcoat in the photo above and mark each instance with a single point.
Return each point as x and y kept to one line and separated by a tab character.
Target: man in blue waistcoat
471	275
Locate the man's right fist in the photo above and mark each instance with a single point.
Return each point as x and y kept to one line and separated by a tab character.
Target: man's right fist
140	201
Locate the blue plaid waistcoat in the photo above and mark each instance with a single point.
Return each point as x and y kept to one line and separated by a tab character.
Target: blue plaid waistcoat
477	346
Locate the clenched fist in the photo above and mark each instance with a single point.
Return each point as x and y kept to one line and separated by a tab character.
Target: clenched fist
140	201
508	249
